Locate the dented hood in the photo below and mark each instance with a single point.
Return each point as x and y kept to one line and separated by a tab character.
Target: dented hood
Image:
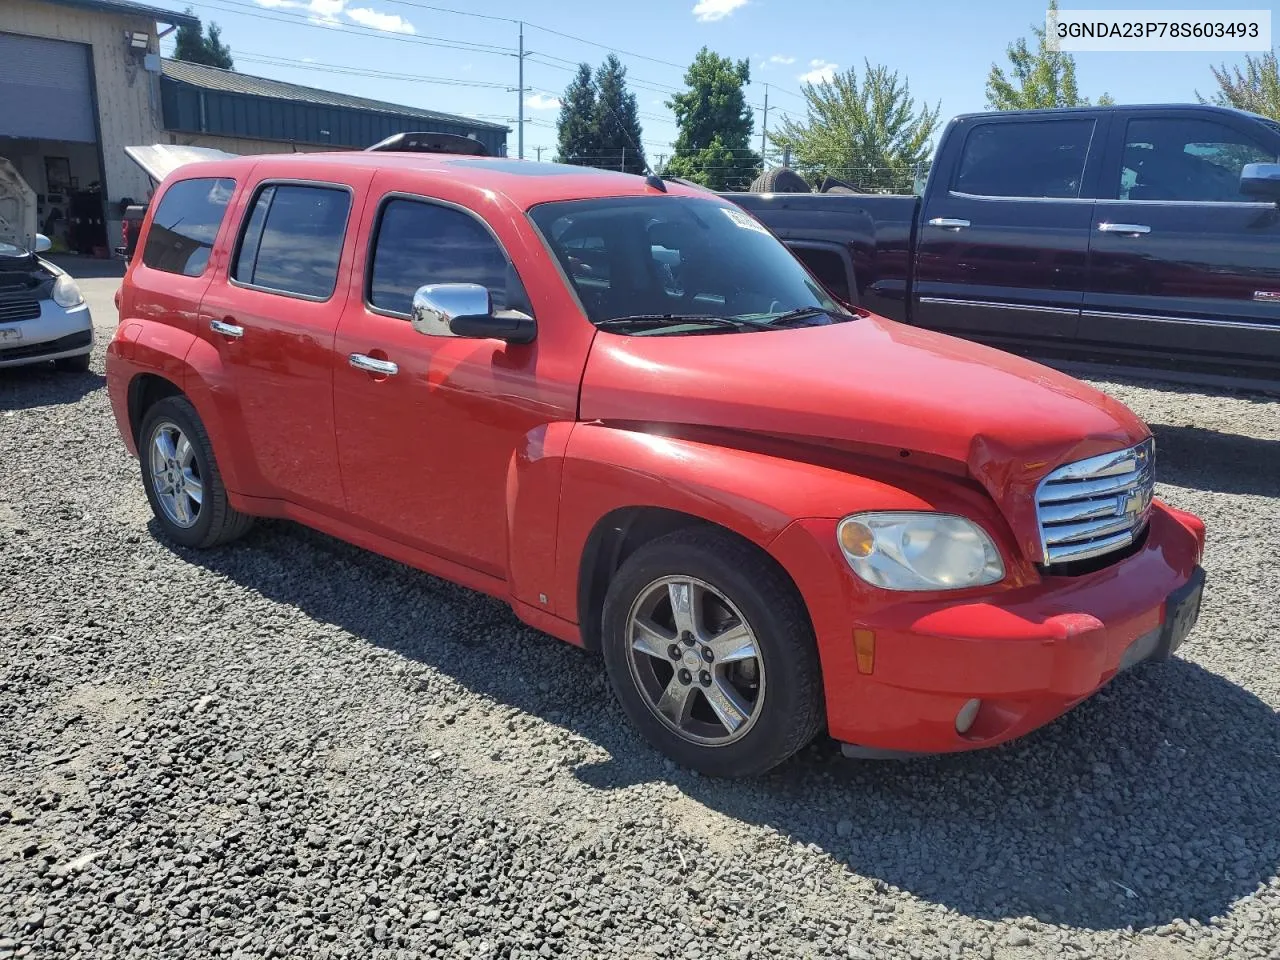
870	384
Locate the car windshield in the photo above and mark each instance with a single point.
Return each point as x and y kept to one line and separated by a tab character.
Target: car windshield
660	265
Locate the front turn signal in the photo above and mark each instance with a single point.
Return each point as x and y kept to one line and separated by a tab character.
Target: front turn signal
864	645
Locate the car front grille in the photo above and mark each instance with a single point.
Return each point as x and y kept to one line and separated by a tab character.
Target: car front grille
21	308
1093	507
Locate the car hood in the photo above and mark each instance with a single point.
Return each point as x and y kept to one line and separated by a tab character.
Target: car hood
17	215
870	385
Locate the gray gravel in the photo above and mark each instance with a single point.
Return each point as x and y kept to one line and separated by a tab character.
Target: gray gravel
293	748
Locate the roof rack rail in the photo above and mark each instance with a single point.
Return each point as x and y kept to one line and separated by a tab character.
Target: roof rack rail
425	142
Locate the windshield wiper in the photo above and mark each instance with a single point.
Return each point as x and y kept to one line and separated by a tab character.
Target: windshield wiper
656	321
802	313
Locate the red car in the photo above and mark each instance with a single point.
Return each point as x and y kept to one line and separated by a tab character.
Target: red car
622	406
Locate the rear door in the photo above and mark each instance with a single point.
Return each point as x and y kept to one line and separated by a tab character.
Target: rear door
1004	231
1182	264
272	316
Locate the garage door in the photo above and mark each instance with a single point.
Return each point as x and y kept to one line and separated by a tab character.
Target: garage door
45	92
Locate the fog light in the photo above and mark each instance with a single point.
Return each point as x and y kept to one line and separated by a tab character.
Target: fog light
968	713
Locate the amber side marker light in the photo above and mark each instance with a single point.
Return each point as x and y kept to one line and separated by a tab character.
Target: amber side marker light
864	645
857	539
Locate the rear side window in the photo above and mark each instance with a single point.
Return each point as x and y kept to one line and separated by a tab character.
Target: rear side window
292	240
185	224
1044	158
420	243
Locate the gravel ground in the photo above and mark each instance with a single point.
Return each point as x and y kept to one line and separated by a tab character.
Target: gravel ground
293	748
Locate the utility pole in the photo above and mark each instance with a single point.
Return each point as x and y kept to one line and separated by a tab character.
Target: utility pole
520	115
623	165
539	149
764	126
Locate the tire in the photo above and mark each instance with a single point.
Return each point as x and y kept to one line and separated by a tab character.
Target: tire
79	364
780	180
782	707
212	520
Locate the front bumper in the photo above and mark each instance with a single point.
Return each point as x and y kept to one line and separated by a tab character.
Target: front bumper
58	332
1029	654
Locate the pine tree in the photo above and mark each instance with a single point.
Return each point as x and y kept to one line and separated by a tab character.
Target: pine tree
577	134
715	124
195	47
617	120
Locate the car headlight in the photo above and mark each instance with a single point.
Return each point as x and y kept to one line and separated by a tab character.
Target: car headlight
919	551
66	292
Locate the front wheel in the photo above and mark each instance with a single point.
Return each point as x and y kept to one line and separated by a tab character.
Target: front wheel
710	651
182	480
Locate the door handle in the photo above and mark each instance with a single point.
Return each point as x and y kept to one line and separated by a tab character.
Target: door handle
226	329
1130	229
948	223
373	365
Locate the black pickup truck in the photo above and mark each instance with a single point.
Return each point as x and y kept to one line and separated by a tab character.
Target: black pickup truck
1144	235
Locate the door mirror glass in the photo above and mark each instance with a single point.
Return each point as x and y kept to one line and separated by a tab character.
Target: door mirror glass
1261	180
466	310
42	243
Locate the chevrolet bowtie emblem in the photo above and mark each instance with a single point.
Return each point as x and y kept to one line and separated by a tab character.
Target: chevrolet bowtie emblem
1136	502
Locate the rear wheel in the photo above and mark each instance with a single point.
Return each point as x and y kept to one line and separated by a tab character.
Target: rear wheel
710	651
182	480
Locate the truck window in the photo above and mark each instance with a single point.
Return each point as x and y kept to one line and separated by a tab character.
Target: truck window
1041	158
1172	158
418	243
292	240
185	225
827	266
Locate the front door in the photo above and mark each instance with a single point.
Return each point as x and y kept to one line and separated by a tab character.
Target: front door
1003	244
271	316
1182	264
427	431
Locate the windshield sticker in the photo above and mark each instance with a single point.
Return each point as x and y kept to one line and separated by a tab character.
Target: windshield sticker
743	220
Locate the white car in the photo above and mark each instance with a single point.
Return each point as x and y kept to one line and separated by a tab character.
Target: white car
43	315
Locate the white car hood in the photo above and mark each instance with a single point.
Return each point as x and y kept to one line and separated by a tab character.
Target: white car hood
17	210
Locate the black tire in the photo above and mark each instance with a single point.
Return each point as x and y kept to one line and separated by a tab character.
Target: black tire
79	364
780	180
792	708
216	522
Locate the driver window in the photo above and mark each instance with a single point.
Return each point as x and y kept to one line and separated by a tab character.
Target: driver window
1184	159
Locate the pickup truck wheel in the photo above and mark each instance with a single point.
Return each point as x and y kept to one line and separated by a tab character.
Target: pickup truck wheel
182	480
710	651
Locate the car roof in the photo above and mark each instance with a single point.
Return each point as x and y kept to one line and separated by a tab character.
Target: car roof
524	182
1113	108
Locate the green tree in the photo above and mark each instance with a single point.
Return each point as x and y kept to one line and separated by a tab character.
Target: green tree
1040	78
1256	89
207	48
617	120
715	123
869	132
577	133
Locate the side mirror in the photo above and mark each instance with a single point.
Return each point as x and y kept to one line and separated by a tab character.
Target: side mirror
1261	180
43	243
466	310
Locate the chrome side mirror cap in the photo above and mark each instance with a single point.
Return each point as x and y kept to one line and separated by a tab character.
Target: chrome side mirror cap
43	243
466	310
1261	180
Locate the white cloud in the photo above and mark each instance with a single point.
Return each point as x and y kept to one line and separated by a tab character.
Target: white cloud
821	72
326	9
375	19
708	11
280	4
784	61
539	101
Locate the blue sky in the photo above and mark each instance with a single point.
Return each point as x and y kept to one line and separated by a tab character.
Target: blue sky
462	51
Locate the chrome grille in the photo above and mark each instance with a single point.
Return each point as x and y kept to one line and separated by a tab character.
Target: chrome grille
1093	507
23	308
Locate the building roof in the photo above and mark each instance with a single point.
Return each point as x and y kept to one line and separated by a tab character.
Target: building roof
129	8
231	81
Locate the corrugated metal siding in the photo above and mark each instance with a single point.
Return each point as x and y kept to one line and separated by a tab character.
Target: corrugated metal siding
45	89
189	109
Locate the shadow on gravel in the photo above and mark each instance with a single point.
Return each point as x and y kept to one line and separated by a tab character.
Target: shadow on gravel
1222	462
1152	801
41	385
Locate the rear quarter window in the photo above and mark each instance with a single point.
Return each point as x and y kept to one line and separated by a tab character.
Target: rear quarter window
185	224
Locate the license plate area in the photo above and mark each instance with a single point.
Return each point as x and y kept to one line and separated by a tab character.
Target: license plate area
10	334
